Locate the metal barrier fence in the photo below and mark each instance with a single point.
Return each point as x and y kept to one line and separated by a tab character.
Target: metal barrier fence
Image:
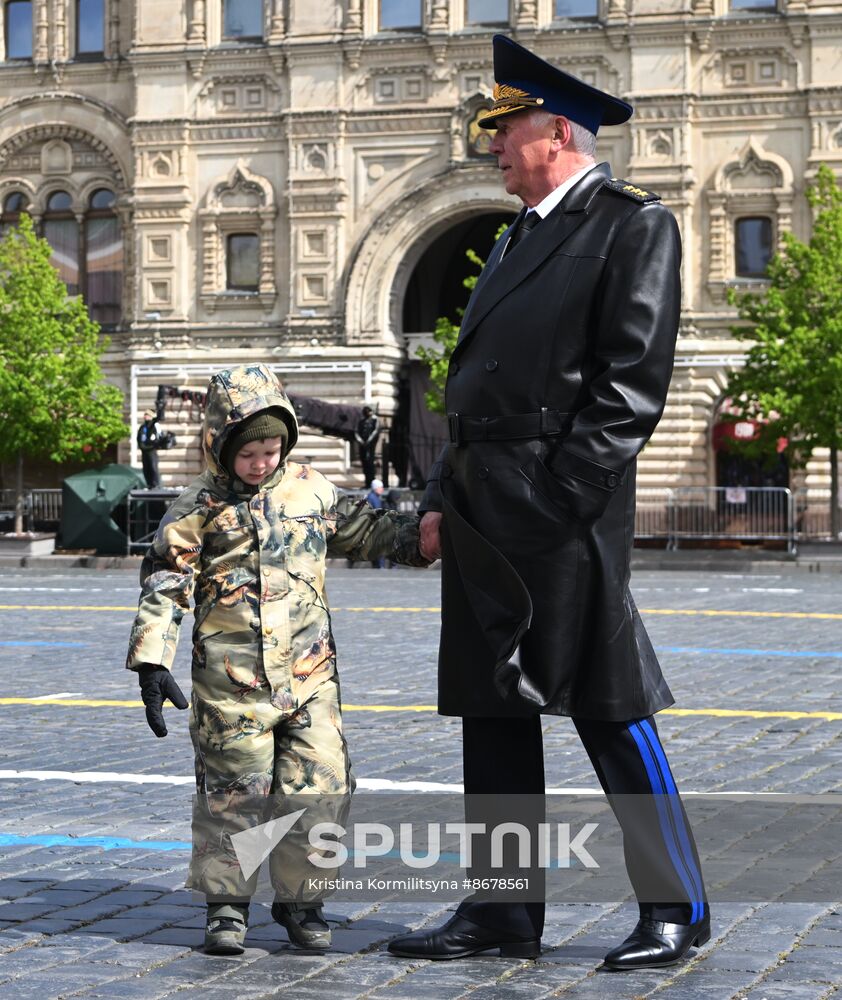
716	513
673	515
40	507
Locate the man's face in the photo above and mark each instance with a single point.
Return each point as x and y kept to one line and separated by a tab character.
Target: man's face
526	154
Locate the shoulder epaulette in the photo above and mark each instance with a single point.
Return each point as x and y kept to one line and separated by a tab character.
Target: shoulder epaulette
631	191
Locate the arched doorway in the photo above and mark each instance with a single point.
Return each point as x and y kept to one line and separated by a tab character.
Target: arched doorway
435	287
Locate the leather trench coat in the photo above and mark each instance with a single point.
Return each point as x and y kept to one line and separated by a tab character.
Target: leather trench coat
557	381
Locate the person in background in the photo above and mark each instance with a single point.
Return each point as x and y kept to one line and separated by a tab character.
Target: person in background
374	498
366	435
147	440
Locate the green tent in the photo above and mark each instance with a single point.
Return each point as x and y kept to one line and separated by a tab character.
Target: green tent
89	501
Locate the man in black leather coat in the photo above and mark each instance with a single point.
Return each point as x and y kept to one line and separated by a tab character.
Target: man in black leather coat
558	379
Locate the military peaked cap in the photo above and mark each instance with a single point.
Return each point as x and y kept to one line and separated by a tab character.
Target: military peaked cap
524	80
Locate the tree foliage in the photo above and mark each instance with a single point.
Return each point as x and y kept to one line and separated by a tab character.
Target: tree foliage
54	402
792	379
445	335
793	371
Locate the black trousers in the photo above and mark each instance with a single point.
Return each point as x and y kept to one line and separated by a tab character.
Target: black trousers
149	460
506	756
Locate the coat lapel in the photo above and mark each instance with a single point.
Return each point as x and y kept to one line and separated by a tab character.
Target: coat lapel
497	252
499	277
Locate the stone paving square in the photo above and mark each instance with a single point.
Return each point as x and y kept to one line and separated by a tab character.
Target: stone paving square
91	908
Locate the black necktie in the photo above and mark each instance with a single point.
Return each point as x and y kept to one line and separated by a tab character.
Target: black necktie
527	224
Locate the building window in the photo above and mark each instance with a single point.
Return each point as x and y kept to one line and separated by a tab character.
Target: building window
61	231
396	15
238	242
242	20
13	205
103	259
242	262
90	28
487	12
753	238
754	4
18	29
577	9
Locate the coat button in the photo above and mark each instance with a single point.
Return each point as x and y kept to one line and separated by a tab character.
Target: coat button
267	630
482	472
491	365
611	480
454	368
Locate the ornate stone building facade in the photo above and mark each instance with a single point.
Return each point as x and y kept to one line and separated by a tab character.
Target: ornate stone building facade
296	180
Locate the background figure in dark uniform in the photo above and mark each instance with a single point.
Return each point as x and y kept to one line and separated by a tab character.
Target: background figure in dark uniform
366	435
147	440
557	381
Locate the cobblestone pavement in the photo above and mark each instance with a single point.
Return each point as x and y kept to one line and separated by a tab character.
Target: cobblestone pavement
108	917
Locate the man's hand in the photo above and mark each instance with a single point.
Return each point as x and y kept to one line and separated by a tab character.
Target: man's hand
429	544
156	684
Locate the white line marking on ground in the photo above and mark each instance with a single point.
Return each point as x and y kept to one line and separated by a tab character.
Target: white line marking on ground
58	694
363	784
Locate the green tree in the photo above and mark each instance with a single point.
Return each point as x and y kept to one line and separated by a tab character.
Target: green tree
792	379
445	335
54	402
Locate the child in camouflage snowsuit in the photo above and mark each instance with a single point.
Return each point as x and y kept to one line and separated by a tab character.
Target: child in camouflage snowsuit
248	539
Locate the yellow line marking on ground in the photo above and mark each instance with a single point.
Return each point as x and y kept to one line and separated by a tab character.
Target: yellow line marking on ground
722	713
704	612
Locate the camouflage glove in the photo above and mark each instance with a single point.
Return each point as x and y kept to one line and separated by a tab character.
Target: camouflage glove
406	550
156	684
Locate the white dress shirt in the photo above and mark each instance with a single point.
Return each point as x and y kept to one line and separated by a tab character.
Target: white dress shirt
543	208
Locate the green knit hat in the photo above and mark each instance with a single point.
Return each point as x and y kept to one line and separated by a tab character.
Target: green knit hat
258	427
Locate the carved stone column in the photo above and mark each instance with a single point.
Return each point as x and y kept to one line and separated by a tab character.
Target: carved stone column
617	11
717	250
439	16
354	16
60	46
277	21
113	39
197	32
41	50
527	14
784	218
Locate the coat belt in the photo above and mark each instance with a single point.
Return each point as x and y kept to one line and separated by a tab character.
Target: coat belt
544	423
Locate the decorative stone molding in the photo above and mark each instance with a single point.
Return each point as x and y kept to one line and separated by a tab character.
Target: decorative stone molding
240	201
381	265
756	182
52	132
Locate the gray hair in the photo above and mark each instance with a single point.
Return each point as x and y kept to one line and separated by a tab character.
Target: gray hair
582	140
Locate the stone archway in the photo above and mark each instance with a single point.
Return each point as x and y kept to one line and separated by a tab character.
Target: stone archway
382	267
436	284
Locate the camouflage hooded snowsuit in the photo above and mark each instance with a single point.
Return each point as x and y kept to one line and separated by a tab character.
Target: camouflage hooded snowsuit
265	714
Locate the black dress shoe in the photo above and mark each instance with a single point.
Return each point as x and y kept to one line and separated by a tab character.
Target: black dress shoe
654	943
460	938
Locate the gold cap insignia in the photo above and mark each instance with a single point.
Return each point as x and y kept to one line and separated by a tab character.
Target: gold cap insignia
507	100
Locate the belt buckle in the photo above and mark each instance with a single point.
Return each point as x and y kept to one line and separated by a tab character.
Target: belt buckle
454	426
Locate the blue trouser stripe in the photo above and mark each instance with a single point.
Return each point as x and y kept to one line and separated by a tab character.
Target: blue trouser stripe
667	831
678	816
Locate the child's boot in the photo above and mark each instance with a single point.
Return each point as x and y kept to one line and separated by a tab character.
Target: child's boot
304	923
226	927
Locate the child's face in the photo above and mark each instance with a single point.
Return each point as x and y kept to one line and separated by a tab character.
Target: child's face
257	460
